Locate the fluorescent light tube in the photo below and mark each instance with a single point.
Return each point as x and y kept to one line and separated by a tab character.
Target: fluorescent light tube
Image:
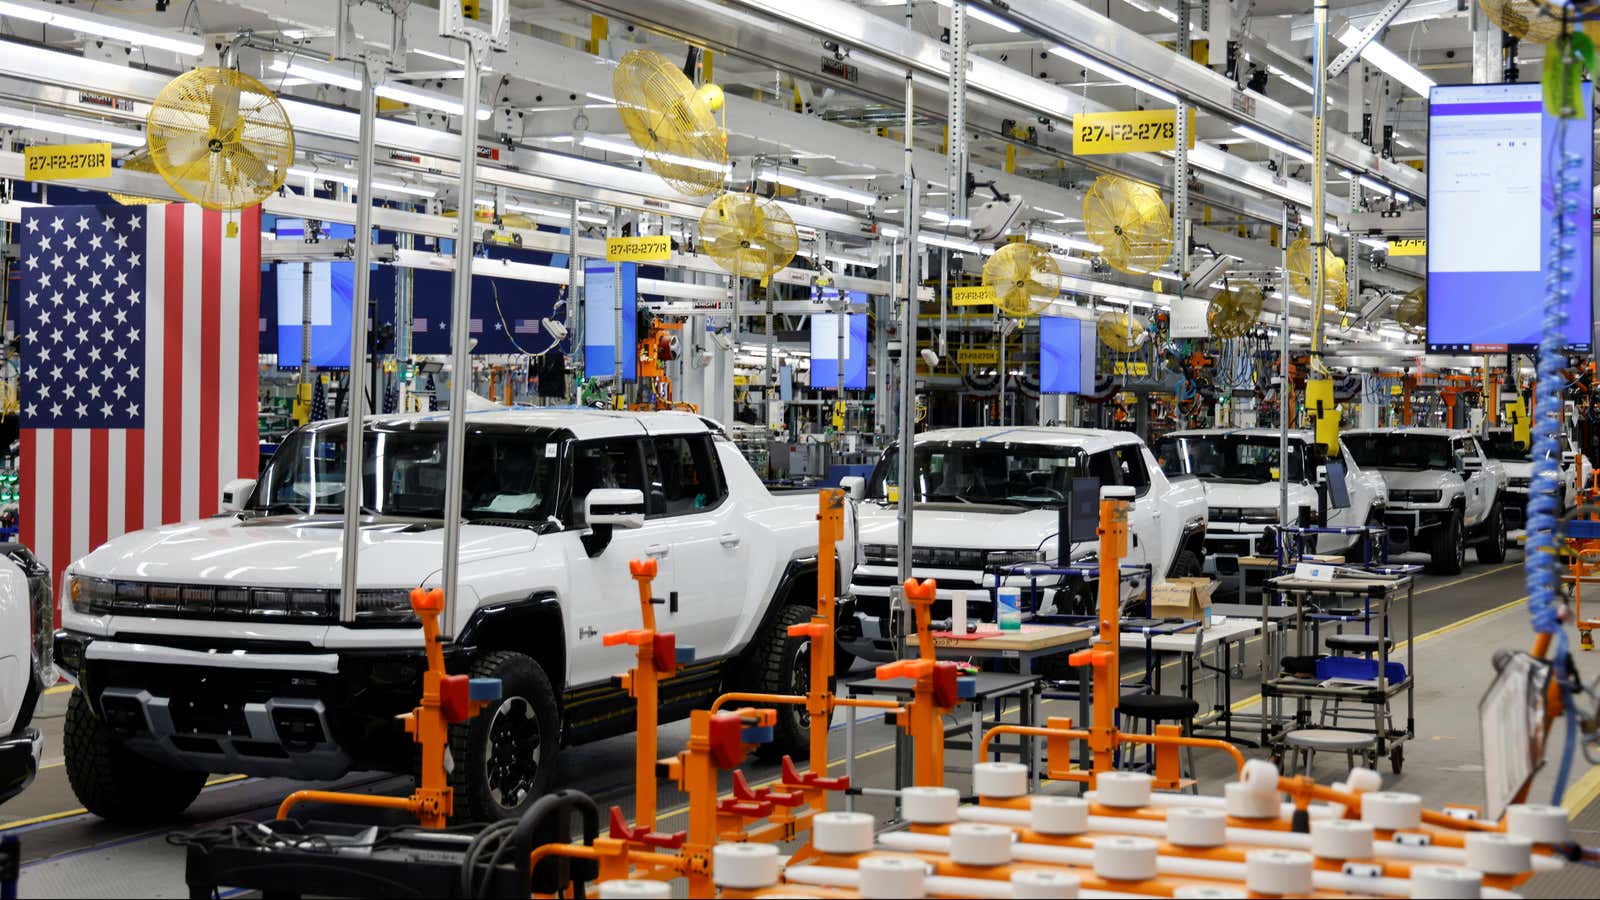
1066	242
1373	184
1268	140
816	186
104	26
353	181
341	75
1329	227
983	15
1288	79
1387	60
1111	71
607	145
87	128
416	96
943	218
554	213
1375	243
948	243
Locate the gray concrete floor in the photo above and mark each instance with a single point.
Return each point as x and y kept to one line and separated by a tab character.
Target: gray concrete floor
69	853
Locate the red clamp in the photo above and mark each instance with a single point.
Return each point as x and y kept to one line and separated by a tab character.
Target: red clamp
727	743
622	832
945	694
743	791
455	698
665	651
792	778
749	809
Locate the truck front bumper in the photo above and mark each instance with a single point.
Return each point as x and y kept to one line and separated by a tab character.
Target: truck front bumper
1407	523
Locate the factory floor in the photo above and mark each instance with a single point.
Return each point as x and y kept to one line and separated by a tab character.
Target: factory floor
1459	621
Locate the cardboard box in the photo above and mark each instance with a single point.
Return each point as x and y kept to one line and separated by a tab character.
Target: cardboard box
1185	597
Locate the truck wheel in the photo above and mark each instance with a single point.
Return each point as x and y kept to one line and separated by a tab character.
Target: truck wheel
1493	548
1186	564
115	783
1449	552
782	665
505	756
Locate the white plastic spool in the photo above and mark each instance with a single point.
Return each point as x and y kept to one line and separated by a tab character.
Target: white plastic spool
842	832
744	867
1194	826
929	805
1260	775
1043	884
1494	853
1341	839
1000	780
1124	790
1278	872
1209	892
1125	858
1391	810
980	844
1364	780
1059	815
1244	801
892	876
629	889
1446	882
1539	822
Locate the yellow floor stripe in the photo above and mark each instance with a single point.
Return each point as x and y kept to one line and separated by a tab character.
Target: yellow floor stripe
69	813
58	689
1582	793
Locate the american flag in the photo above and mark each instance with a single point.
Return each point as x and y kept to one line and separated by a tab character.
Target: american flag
139	335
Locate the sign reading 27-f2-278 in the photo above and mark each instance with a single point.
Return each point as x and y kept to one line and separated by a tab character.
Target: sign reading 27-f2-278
1137	131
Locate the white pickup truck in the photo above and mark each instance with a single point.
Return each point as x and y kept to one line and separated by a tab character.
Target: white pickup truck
1444	492
26	614
1500	444
991	497
222	645
1240	469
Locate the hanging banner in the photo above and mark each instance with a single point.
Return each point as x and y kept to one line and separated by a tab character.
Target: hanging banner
981	295
1408	246
1137	131
59	162
645	248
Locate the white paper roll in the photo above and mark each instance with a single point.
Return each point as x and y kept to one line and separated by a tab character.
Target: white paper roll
1197	826
1125	858
1260	775
1391	810
1341	839
1364	780
842	832
1278	872
892	876
1043	884
1000	779
929	805
1244	801
628	889
744	866
1446	882
1124	790
1059	815
1539	822
1494	853
979	844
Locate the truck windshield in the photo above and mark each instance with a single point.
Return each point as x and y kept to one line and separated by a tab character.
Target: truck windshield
996	473
1399	450
1230	458
508	475
1503	446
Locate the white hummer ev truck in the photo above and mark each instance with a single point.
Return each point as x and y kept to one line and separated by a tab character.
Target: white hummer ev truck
222	645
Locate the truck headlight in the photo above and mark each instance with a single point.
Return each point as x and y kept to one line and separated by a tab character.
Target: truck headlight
999	558
390	606
1416	496
90	596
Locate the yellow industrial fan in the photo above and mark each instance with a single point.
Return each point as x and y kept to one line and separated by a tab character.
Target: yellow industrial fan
1131	222
673	122
1528	20
1233	311
220	138
750	236
1411	313
1025	279
140	161
1334	290
1121	332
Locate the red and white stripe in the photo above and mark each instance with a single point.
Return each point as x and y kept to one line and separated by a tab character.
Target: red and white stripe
82	487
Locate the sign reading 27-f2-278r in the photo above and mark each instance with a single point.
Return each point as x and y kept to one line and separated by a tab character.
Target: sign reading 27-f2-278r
1137	131
57	162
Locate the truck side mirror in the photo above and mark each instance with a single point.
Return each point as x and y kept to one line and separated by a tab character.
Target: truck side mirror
608	508
855	486
236	493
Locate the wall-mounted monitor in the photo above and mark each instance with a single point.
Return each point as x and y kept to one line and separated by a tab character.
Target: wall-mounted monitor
825	351
600	320
332	295
1492	158
1066	355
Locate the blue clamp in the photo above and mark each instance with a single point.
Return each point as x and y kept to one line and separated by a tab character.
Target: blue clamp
759	734
685	655
484	690
966	687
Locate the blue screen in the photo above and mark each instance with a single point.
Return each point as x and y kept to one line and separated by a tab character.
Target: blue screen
1492	158
825	351
332	293
1061	355
599	320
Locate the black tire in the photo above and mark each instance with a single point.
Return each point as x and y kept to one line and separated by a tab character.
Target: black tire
1449	553
782	665
505	756
843	660
1492	550
1186	564
115	783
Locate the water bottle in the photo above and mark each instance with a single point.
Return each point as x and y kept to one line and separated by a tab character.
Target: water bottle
1008	608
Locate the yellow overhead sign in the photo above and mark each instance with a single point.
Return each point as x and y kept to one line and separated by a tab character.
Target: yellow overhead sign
1122	368
645	248
1137	131
1408	246
981	295
977	356
63	161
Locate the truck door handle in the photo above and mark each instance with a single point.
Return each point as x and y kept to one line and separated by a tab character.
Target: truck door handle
729	540
657	550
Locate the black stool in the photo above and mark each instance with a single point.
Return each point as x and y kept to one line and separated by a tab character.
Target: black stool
1156	708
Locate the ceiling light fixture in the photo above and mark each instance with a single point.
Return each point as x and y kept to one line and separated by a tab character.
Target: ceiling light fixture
800	182
1066	242
103	26
1267	140
341	75
353	181
554	213
87	128
1387	60
1111	71
983	15
594	142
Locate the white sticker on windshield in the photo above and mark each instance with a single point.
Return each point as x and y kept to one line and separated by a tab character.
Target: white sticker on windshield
549	451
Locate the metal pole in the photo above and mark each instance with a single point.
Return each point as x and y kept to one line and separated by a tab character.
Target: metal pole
357	393
616	321
1283	369
908	340
1318	239
305	310
575	309
460	323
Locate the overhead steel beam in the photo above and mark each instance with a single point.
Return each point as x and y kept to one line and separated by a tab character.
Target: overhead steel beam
1369	33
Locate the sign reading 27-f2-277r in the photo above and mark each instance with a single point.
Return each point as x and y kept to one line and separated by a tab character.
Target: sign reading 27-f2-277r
1137	131
644	248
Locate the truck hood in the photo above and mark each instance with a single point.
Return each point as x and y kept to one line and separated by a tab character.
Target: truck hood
293	552
974	526
1521	468
1258	496
1423	480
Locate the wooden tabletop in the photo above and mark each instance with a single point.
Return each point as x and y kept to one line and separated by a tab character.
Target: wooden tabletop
1030	638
